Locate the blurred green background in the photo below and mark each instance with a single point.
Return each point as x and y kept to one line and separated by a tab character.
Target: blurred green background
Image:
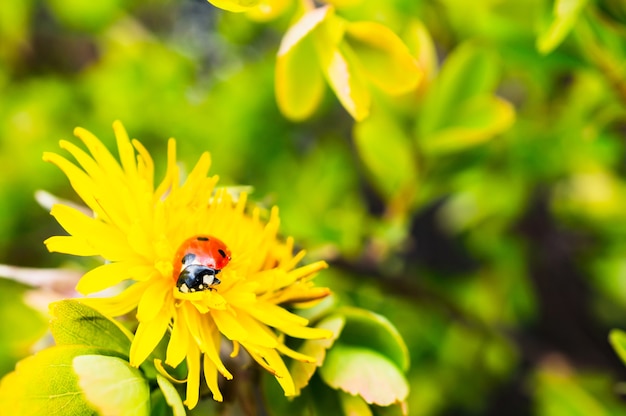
494	240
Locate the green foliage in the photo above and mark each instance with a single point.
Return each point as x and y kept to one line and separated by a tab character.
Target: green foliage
22	326
458	164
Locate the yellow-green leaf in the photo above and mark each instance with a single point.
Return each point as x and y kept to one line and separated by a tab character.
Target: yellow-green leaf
354	405
565	16
385	59
303	27
364	372
171	396
617	338
371	330
477	122
421	45
74	323
345	76
235	5
112	386
299	81
387	152
267	10
46	381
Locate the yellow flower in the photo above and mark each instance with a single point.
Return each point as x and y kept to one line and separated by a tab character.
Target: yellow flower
138	228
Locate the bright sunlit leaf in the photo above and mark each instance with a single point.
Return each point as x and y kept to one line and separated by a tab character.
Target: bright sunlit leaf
299	81
371	330
303	27
267	10
385	59
346	77
112	386
364	372
47	381
565	16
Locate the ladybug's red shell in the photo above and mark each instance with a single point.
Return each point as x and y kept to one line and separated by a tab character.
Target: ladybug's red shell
198	260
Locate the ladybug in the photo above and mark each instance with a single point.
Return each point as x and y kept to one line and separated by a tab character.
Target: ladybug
200	258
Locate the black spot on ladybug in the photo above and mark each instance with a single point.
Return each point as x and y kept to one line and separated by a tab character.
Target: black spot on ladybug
222	253
188	258
203	239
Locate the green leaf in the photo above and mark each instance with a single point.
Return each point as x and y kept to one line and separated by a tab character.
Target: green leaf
302	372
21	326
112	386
47	381
566	14
299	80
477	122
171	395
560	392
303	28
421	45
617	338
74	323
469	71
387	152
362	371
370	330
385	59
342	69
235	5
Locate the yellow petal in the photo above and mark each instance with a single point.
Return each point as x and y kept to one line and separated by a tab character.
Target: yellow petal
259	333
229	326
153	299
148	336
127	153
107	240
210	375
179	342
172	175
145	164
274	315
269	359
99	152
81	183
70	245
120	304
193	376
103	277
309	269
206	335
